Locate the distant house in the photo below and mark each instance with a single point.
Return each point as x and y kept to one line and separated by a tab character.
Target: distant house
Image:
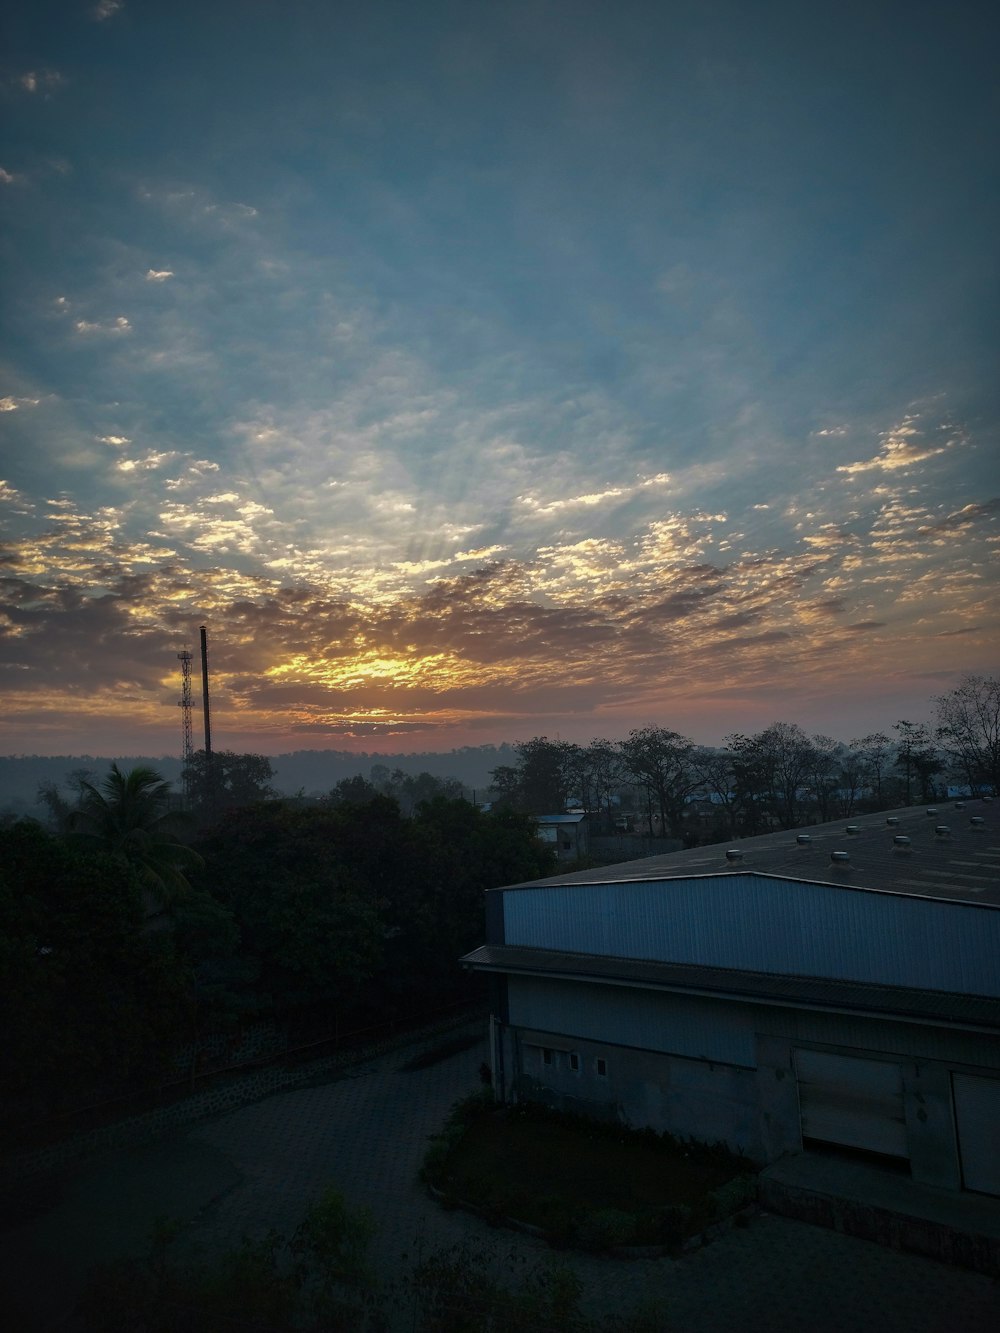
835	988
566	834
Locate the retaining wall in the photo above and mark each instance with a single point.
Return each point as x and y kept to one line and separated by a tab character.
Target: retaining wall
964	1247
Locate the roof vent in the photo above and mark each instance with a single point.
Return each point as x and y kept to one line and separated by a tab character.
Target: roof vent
893	821
931	811
959	805
840	858
901	841
852	830
942	830
734	854
977	821
803	839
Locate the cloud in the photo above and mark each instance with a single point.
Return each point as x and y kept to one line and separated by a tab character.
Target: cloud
195	207
831	606
40	81
547	508
231	525
114	327
11	404
830	537
333	634
149	462
311	656
106	9
904	446
9	495
965	517
159	275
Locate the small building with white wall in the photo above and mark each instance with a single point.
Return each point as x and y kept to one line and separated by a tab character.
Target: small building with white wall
567	835
836	988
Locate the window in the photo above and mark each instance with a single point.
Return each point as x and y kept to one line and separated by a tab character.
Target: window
546	1055
602	1068
574	1062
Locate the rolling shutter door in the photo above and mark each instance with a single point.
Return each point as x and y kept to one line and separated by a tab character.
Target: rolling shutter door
857	1103
977	1116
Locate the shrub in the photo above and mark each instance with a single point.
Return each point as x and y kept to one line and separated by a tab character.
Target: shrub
459	1291
587	1183
733	1195
317	1282
434	1169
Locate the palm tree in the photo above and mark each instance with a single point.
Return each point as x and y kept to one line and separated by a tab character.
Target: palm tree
128	816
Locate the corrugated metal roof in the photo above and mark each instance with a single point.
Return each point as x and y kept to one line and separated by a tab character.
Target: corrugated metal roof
899	1002
960	865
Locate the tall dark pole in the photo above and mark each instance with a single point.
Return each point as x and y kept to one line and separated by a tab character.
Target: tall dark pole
204	692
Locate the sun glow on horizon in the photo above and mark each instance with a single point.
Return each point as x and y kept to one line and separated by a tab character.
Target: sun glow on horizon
369	667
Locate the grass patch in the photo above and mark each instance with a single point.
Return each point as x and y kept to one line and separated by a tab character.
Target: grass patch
584	1183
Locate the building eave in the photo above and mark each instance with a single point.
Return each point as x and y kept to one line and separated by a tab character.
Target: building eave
980	1014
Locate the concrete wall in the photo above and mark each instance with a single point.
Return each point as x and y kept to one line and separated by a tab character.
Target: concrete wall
689	1097
691	1025
750	1100
930	1125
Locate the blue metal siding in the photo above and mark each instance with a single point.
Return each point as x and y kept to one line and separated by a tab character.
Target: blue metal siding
760	923
684	1025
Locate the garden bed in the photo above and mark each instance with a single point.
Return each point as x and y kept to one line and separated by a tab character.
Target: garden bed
581	1183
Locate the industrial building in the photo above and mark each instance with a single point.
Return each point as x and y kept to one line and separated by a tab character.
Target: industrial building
836	989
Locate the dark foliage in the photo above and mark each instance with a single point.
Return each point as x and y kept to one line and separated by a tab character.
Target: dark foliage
587	1184
350	906
225	780
93	1000
321	1281
331	916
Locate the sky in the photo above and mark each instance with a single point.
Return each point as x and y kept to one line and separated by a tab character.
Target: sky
479	370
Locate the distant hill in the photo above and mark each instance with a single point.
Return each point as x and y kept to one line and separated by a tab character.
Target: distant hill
311	771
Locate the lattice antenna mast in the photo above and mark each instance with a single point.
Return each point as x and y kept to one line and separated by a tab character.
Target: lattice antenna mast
186	704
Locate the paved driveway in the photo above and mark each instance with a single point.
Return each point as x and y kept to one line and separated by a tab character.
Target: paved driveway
261	1166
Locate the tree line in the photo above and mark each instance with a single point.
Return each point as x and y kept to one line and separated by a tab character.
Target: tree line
778	777
131	927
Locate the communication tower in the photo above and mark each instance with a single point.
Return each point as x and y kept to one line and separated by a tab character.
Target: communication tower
204	692
186	704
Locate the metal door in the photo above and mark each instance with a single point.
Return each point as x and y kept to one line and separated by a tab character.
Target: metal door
851	1101
977	1118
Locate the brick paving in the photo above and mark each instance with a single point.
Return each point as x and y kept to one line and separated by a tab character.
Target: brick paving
262	1165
